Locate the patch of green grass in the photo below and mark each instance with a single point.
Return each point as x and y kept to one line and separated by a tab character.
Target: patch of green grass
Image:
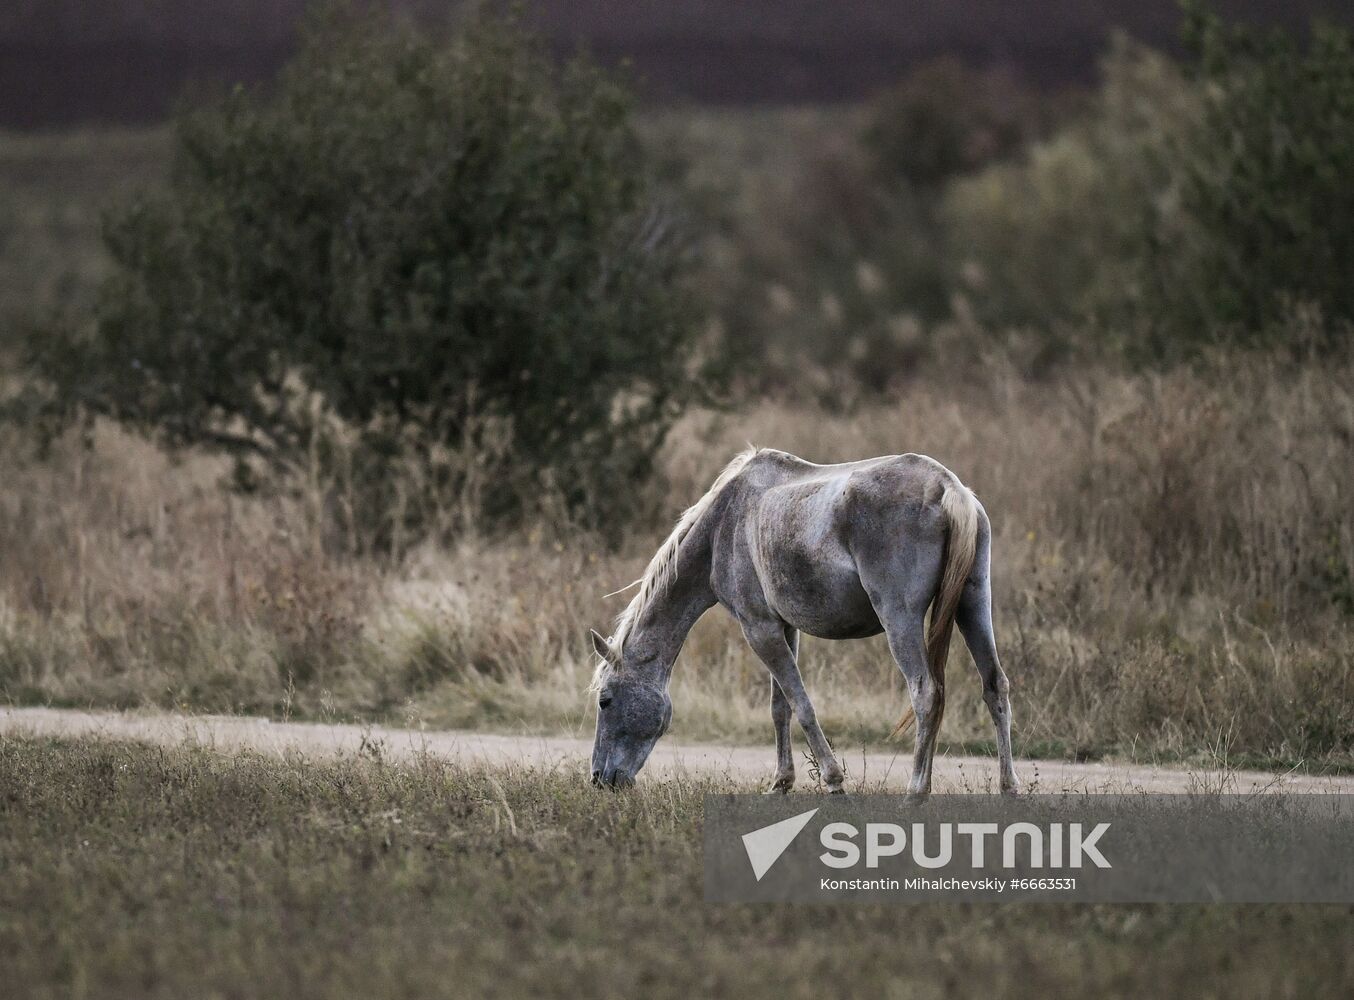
131	870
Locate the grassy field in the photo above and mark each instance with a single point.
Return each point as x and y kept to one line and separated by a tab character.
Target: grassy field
168	873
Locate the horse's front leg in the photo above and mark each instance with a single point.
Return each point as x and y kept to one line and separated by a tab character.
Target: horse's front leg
774	645
781	713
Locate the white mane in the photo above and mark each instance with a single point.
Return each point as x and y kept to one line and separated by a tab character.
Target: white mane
662	568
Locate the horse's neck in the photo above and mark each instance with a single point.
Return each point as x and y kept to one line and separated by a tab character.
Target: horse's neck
660	629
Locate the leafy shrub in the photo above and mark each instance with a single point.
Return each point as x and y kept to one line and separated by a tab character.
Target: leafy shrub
1057	242
1265	186
409	247
1196	204
824	262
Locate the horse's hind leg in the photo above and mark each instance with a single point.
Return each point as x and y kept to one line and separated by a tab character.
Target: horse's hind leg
901	584
906	631
781	714
974	618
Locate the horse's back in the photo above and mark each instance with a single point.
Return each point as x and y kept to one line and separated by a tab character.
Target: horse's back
809	525
820	537
872	493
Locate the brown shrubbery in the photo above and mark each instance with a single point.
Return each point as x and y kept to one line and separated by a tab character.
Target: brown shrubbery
1174	570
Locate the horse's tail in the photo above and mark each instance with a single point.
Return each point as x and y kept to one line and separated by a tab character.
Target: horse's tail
961	545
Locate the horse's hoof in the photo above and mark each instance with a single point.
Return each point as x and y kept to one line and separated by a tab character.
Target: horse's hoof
839	790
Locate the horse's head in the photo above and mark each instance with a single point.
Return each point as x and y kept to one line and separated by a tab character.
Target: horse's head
632	713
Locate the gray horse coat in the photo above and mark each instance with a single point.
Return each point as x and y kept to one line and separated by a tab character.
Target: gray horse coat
836	551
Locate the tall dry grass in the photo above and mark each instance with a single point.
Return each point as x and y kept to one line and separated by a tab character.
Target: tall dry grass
1174	570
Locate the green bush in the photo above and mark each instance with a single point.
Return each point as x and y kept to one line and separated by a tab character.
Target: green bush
1195	205
409	248
1265	186
823	263
1057	242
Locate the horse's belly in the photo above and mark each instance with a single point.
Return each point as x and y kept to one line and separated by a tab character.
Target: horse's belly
821	597
808	576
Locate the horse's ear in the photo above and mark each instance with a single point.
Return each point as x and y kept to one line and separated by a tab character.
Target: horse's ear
600	644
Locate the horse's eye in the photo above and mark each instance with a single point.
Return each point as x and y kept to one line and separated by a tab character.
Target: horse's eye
604	701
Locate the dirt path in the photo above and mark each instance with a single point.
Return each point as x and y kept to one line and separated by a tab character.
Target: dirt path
875	770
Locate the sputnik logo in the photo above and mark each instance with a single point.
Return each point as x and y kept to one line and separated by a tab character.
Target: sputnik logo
766	845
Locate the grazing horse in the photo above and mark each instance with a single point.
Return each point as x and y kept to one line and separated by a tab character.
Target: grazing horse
837	551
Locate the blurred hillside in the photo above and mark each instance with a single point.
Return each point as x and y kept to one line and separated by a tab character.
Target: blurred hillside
64	62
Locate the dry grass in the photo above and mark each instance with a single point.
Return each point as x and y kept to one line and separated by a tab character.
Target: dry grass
1174	568
153	872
